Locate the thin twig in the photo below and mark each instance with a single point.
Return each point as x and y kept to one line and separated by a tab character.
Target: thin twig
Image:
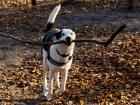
105	43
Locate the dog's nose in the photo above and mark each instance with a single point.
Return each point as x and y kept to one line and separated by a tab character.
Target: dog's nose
68	39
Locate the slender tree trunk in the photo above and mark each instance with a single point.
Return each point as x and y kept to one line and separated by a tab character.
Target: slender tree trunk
130	4
33	2
71	0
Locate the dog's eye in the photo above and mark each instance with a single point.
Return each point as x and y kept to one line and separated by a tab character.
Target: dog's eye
71	33
62	34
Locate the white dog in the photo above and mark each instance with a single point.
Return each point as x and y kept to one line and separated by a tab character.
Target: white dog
57	57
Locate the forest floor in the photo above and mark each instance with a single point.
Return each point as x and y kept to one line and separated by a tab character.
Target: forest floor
99	75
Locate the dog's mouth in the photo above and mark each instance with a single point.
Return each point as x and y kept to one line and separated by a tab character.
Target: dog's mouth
68	43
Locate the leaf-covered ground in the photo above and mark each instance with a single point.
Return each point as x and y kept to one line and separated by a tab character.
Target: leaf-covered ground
99	75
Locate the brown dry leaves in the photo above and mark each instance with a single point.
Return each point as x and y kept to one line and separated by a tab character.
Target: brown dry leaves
115	73
111	79
99	75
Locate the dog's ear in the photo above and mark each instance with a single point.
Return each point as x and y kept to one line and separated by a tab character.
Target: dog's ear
58	35
52	17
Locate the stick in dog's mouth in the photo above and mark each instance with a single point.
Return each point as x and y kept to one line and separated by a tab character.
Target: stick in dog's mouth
105	43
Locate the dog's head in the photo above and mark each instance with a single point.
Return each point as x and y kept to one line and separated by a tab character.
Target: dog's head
66	35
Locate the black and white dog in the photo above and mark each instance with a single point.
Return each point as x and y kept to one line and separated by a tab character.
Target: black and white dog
57	57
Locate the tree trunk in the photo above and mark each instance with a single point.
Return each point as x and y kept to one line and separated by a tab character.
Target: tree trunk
70	0
33	2
130	4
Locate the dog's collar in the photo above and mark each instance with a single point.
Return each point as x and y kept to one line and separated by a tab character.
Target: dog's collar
62	55
58	63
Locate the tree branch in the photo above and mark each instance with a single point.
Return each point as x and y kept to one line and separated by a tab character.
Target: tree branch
105	43
27	41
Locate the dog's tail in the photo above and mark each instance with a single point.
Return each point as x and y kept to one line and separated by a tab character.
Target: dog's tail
52	17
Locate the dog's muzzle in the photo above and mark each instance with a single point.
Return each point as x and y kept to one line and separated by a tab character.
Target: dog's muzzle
68	41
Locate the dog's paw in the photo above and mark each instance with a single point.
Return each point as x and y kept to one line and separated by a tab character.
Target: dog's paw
58	86
62	90
58	91
45	92
49	97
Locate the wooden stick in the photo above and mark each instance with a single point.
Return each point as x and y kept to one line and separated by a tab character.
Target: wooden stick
105	43
102	42
27	41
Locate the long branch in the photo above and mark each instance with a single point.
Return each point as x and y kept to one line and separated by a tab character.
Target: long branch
105	43
27	41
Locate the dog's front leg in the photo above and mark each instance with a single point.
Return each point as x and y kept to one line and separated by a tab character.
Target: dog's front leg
50	86
45	88
64	79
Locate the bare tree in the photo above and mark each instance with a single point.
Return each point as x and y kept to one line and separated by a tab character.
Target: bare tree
70	0
130	4
33	2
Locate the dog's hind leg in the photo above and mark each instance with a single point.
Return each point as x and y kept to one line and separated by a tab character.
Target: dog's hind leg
64	79
57	79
